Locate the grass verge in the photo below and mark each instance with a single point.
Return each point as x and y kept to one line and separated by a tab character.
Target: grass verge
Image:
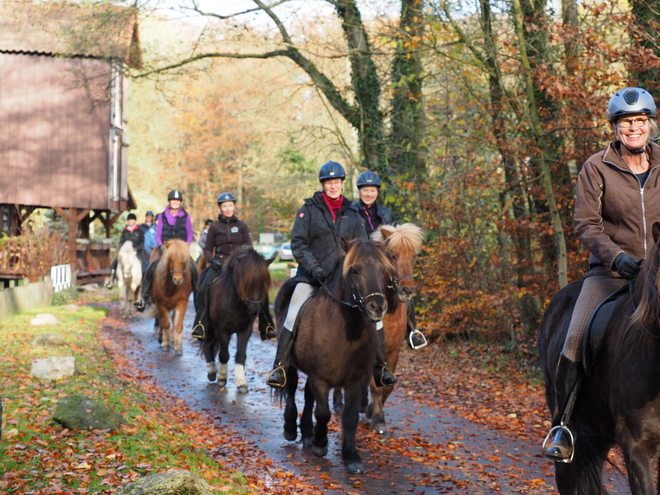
39	457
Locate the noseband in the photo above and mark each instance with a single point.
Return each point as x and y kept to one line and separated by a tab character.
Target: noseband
358	301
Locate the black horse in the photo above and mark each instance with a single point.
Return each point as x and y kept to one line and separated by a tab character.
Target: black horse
619	402
236	298
335	345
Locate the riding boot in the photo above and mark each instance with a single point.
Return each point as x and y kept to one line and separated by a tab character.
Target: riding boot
559	444
277	377
382	376
141	303
202	315
111	280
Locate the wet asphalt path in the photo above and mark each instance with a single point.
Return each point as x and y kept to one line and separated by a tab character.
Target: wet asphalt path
464	457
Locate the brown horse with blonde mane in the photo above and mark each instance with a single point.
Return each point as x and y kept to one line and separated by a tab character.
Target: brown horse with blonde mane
405	243
171	288
335	345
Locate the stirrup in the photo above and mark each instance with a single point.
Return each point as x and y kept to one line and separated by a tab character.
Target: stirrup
410	339
571	441
271	332
198	331
273	383
140	305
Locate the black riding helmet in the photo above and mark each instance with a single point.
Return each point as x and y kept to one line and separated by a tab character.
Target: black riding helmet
331	170
131	216
629	101
368	178
226	196
176	194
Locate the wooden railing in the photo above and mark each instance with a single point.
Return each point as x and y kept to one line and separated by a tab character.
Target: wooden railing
32	254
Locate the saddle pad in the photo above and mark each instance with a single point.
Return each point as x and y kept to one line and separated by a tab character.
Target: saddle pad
593	337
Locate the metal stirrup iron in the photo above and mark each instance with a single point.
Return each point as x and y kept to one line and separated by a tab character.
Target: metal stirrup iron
571	438
412	344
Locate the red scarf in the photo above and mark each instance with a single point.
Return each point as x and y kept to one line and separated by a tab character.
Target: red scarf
133	228
333	204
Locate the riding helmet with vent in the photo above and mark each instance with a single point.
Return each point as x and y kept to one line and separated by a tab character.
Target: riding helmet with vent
630	101
331	170
368	178
226	196
176	194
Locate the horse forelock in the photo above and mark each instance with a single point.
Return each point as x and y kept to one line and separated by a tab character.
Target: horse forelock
363	250
176	252
246	268
647	312
405	239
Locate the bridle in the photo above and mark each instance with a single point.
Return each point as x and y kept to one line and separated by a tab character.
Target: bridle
359	301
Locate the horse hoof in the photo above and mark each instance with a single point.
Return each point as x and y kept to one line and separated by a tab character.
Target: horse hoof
212	377
290	435
355	467
165	348
380	428
338	409
222	382
178	353
243	389
307	442
319	451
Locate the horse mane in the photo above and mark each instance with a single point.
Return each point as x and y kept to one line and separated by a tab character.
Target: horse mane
647	313
244	266
361	249
406	238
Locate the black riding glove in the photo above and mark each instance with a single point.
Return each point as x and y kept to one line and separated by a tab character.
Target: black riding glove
319	273
216	264
627	266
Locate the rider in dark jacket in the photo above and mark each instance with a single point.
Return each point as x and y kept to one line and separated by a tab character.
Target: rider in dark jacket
225	236
133	233
375	215
174	223
316	236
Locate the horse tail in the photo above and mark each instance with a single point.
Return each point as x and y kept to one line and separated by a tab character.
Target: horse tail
279	396
585	472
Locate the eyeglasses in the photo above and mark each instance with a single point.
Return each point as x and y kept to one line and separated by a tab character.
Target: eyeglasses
638	122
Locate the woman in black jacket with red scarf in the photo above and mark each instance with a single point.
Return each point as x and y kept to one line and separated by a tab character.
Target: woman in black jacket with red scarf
316	236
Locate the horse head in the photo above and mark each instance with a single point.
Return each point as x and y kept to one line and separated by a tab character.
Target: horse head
176	258
249	273
404	242
126	258
366	271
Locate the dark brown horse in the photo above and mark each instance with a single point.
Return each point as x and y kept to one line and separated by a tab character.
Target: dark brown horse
335	345
236	298
171	288
619	402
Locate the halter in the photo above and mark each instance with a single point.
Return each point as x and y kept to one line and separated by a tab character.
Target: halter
359	301
177	272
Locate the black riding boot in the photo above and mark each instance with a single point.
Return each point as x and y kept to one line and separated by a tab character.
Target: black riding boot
382	376
559	444
202	314
277	377
141	303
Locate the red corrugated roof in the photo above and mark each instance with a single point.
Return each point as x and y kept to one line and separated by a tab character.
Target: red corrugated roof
69	29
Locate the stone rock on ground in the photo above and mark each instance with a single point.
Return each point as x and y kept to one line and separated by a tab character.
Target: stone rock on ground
54	368
49	340
78	412
175	482
43	319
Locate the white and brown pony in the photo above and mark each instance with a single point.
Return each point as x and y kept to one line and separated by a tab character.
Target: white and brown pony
129	277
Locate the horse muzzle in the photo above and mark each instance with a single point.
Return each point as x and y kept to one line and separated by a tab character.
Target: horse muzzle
406	293
375	306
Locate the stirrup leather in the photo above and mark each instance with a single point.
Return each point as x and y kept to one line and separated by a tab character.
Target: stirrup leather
410	339
275	384
571	441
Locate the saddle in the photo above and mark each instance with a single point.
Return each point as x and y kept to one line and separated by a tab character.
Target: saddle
595	333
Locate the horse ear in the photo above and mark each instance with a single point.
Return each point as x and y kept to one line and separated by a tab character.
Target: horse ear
270	260
386	231
656	232
345	245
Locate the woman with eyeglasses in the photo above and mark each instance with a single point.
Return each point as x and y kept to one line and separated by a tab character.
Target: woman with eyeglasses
617	200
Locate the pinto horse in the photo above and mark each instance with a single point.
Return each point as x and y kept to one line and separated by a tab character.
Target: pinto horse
335	345
129	277
619	401
171	288
236	298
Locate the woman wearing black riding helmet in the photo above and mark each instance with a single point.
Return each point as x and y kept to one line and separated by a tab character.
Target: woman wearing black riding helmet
375	215
616	203
321	222
225	236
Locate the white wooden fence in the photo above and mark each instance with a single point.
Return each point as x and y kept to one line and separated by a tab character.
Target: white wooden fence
61	276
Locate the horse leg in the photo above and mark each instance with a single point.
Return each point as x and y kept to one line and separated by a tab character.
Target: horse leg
223	357
164	330
290	410
375	411
640	469
349	422
306	422
337	400
177	329
322	414
211	367
241	356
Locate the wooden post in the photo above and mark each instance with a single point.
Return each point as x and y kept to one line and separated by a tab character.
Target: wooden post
72	217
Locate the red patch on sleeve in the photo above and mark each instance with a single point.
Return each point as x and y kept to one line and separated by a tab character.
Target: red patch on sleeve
301	215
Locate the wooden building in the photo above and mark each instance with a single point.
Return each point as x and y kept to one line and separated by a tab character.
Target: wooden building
62	101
